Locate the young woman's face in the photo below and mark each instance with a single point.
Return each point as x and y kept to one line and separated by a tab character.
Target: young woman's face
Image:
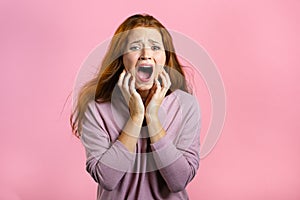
144	56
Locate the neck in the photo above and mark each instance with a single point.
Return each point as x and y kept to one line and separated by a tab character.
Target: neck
144	94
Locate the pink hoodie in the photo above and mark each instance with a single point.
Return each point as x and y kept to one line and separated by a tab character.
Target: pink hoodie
155	171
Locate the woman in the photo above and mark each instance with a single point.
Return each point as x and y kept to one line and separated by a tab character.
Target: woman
136	119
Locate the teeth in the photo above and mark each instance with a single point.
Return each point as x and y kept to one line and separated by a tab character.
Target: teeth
146	66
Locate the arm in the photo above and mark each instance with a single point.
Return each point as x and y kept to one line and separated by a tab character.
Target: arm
106	162
178	161
131	131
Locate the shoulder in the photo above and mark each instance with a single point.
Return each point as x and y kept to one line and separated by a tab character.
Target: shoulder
181	102
98	115
95	108
189	103
185	99
182	93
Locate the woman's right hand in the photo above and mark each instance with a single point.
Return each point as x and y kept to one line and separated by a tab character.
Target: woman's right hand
133	99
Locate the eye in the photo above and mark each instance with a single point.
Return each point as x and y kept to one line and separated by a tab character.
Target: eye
155	48
134	48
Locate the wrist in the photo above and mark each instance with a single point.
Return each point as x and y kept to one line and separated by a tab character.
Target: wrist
154	125
158	136
151	118
137	119
133	128
128	141
152	110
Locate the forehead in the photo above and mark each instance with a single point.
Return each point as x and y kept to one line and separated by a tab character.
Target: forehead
143	33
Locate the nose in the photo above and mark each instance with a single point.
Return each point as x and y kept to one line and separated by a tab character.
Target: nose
145	54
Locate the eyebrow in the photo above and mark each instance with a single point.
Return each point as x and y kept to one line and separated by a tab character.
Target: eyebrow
137	41
153	41
150	40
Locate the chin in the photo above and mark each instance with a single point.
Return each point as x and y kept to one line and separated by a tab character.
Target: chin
144	86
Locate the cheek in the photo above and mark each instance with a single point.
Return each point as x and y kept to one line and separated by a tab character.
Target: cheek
160	58
160	61
129	61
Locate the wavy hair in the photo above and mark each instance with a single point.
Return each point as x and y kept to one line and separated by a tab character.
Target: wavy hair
101	86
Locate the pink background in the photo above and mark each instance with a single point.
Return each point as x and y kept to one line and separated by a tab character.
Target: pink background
255	45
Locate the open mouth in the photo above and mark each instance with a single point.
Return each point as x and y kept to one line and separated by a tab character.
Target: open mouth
144	72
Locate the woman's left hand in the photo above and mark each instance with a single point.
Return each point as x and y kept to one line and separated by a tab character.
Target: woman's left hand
157	94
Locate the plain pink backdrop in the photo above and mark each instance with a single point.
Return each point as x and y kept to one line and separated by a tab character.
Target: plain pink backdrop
255	45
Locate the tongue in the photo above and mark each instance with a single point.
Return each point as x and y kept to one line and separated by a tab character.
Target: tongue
143	75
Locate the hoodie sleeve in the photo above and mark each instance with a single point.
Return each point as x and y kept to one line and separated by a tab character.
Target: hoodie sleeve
178	161
106	162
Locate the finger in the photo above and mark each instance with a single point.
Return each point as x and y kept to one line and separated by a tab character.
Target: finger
165	84
164	87
121	79
126	82
132	86
158	86
167	77
163	79
121	86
